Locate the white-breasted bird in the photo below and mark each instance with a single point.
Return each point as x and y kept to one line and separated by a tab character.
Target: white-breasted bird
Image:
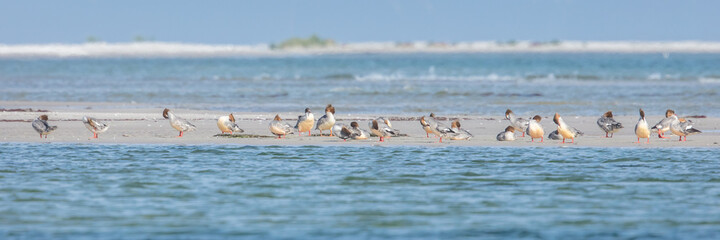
327	121
305	122
95	126
641	128
178	123
565	130
535	130
280	128
227	124
682	127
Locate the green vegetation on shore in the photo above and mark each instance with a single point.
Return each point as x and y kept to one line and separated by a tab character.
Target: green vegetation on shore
310	42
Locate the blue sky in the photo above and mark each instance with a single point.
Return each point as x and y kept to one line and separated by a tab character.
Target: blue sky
251	22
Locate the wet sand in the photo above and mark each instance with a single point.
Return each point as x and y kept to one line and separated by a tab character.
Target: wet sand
133	124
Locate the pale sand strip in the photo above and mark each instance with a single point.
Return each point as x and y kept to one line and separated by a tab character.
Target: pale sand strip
147	126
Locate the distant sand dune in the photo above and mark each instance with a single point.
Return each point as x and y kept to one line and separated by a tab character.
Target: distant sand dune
172	49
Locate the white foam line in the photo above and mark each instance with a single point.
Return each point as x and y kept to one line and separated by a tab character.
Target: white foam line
171	49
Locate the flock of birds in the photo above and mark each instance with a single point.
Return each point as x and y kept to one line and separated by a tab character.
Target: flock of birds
382	128
678	126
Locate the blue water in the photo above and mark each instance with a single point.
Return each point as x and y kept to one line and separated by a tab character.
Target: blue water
487	84
68	191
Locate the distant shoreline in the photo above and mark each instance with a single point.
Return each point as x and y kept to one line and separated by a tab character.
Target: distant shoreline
174	49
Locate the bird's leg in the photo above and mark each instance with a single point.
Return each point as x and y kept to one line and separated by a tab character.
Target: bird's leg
611	135
563	140
331	134
523	134
573	140
606	135
427	134
532	139
181	133
541	139
648	141
661	134
41	136
382	139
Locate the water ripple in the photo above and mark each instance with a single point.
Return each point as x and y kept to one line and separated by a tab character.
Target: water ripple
216	192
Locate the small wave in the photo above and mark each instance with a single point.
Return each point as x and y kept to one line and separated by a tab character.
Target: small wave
346	89
549	77
433	77
443	93
709	79
655	76
563	76
340	76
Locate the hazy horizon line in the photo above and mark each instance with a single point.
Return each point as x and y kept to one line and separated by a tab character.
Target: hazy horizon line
179	49
150	40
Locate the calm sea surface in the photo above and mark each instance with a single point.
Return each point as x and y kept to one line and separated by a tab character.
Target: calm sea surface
487	84
74	191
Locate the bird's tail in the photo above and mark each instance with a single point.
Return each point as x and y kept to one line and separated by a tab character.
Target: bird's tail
693	131
236	128
345	132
